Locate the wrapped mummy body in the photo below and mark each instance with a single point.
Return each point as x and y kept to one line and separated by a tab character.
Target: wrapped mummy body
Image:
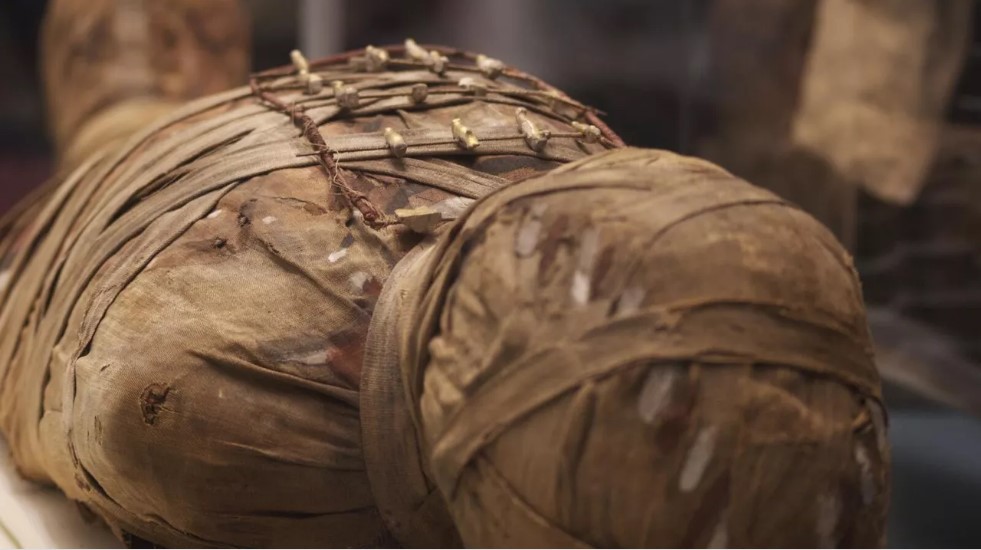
184	330
276	318
682	361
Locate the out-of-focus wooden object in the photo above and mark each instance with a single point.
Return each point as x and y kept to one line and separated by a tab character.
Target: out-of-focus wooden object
759	50
113	66
878	79
838	106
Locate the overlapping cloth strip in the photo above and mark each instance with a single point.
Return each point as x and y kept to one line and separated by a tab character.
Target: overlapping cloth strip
184	320
547	311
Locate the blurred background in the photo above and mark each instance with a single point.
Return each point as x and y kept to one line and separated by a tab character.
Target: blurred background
767	88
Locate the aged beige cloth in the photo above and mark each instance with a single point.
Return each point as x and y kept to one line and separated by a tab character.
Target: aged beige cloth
184	323
682	360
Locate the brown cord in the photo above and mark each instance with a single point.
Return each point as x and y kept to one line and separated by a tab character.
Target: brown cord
374	217
591	114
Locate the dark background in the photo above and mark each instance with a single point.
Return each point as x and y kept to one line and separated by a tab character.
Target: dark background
646	63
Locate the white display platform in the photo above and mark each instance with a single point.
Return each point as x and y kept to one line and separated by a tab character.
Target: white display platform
37	517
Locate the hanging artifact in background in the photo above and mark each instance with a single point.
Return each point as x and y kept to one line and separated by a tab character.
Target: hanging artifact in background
841	106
